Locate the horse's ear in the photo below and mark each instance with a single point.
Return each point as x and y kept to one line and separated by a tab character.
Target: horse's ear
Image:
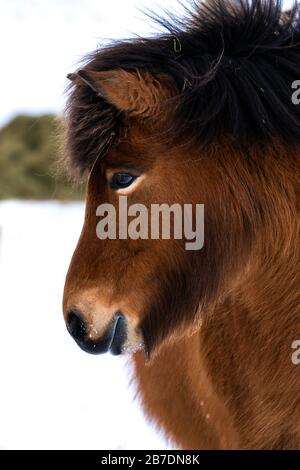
138	93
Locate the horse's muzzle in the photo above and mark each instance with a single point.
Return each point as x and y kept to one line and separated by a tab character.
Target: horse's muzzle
112	340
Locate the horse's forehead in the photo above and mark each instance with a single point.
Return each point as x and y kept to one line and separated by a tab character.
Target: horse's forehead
93	127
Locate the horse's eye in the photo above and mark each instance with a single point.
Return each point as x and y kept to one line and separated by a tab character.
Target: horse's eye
122	180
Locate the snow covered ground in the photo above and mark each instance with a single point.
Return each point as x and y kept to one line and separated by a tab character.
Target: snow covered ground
53	395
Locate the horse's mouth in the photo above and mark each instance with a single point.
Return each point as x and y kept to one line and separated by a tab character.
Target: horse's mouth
113	339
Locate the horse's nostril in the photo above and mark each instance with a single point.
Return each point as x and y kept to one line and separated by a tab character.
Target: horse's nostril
76	325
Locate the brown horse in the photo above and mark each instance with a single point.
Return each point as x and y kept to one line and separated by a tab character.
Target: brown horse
204	113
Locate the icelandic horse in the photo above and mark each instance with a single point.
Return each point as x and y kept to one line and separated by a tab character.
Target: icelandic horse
205	112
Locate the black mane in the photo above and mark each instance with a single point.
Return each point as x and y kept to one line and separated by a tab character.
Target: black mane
234	62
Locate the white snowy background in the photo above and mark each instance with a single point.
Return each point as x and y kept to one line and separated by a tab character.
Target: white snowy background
52	395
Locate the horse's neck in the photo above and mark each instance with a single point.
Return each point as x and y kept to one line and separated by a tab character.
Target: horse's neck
232	383
246	345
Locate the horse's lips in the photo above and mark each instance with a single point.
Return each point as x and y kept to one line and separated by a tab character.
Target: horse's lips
94	347
112	341
119	335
